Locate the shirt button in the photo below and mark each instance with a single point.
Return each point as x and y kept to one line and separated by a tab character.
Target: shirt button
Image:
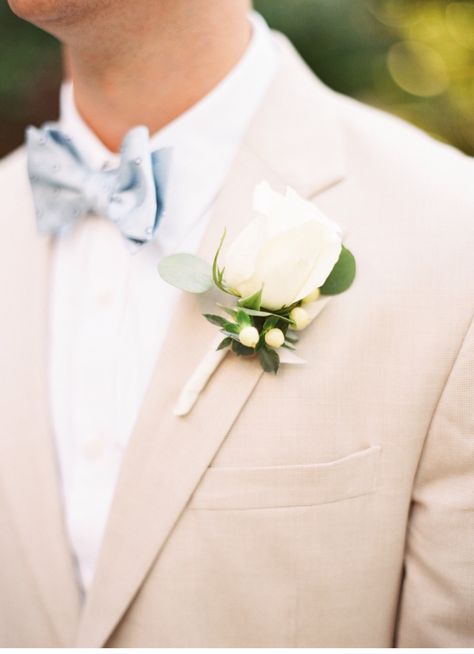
93	448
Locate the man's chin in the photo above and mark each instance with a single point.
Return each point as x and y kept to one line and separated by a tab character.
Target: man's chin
46	13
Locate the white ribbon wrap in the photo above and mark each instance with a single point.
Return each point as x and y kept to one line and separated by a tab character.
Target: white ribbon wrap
198	380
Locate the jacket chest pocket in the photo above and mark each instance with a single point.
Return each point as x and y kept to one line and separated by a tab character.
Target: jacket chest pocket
227	488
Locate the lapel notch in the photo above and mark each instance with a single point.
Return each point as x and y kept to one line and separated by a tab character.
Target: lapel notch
295	130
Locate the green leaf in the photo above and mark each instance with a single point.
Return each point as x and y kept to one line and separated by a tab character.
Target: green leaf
342	274
216	273
261	342
269	360
252	301
270	323
231	327
266	314
243	318
242	350
292	337
253	312
224	343
231	312
232	335
286	309
223	323
186	272
220	321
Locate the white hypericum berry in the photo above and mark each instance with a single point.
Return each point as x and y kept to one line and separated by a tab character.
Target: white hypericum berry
274	338
249	336
312	297
300	317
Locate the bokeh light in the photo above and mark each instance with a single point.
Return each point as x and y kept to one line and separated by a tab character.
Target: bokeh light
418	68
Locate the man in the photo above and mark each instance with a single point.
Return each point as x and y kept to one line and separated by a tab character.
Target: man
329	505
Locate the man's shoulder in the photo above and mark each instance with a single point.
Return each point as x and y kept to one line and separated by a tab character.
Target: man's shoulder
380	150
404	160
407	200
407	179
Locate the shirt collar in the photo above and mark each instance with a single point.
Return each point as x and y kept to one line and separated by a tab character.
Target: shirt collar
204	139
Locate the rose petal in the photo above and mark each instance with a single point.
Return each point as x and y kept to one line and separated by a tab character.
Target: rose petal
239	260
284	264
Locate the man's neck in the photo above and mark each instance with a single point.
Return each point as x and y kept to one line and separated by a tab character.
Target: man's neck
159	67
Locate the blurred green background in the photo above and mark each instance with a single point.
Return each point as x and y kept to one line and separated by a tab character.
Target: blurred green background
414	58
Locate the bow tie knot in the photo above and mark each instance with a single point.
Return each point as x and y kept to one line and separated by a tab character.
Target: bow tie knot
98	192
65	187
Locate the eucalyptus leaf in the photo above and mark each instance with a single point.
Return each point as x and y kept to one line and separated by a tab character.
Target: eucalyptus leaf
186	272
342	275
269	359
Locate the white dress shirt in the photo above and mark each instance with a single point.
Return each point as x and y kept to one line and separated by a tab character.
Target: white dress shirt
110	310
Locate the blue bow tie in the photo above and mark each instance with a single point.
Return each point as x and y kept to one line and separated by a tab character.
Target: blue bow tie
65	187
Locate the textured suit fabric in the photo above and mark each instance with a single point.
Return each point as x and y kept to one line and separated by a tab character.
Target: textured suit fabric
331	505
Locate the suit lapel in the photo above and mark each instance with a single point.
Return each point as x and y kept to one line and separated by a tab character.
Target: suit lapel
27	460
168	455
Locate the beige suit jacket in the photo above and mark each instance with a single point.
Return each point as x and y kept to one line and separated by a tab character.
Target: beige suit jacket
331	505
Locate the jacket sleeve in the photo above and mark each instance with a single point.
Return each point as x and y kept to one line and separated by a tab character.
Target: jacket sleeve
437	598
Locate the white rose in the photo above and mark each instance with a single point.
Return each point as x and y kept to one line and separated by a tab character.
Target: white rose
289	249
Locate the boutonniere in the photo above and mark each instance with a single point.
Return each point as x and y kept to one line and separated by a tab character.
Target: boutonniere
279	271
